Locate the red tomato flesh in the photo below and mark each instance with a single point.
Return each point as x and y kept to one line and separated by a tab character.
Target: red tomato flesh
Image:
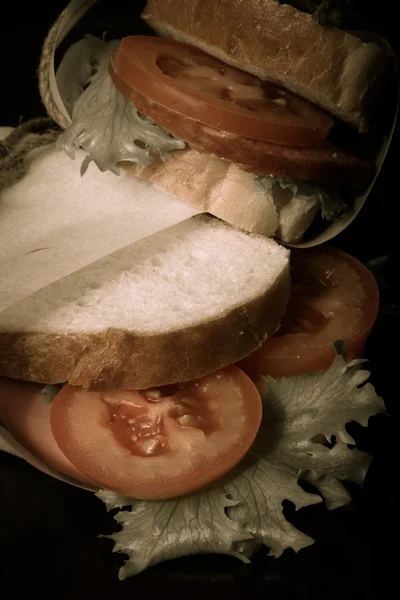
160	443
196	85
334	297
324	163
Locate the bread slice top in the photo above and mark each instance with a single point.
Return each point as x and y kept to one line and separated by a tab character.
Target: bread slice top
279	43
179	277
181	303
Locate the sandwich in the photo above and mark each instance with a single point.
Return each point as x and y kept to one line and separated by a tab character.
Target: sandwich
134	377
256	129
182	371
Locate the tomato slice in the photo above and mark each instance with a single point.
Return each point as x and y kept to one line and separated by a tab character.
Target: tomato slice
191	83
333	297
325	163
25	414
160	443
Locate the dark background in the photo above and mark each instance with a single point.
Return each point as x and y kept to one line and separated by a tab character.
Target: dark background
48	530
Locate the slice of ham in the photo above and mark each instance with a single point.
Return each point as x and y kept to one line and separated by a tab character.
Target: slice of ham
26	416
322	164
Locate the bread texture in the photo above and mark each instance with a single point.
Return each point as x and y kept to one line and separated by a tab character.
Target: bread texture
172	307
279	43
215	186
224	190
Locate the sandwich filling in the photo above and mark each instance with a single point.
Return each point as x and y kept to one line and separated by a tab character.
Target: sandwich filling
131	135
302	436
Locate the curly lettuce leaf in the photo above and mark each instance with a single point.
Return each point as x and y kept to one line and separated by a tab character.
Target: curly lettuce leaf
154	531
297	203
284	191
104	123
302	415
78	66
260	490
331	204
303	436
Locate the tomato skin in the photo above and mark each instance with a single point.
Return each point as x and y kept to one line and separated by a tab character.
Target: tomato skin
226	406
324	164
349	295
199	86
27	417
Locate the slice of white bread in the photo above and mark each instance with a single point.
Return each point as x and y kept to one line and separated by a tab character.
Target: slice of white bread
279	43
172	307
215	186
229	193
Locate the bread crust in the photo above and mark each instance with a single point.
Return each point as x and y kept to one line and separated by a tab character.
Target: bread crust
119	359
278	43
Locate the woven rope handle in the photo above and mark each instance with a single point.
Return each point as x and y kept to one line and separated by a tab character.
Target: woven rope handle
49	92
